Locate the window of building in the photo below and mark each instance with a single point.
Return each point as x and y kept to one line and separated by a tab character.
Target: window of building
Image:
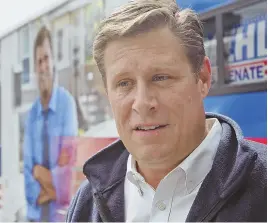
59	44
24	53
62	43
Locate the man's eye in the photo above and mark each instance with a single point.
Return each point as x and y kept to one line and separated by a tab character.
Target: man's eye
123	84
160	77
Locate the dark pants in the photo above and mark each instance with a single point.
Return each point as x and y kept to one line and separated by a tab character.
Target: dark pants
45	213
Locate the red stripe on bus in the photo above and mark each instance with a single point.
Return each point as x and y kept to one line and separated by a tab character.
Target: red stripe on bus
260	140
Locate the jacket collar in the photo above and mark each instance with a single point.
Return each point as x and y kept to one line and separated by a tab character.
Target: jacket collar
230	169
106	173
107	169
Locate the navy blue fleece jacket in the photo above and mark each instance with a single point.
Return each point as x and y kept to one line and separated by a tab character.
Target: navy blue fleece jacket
234	190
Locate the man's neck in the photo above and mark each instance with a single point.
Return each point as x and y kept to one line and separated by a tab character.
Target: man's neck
153	176
45	99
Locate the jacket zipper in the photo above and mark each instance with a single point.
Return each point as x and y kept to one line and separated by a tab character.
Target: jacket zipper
214	210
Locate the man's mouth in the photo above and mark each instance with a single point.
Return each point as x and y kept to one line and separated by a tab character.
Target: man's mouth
149	128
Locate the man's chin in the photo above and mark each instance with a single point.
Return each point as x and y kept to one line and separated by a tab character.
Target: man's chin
44	92
152	153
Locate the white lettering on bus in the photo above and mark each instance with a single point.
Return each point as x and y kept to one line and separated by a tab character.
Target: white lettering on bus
246	73
245	40
248	42
261	40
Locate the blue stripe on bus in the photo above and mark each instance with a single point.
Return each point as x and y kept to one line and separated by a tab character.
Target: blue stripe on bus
202	5
249	110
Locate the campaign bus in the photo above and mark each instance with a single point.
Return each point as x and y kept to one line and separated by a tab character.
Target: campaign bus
235	40
235	34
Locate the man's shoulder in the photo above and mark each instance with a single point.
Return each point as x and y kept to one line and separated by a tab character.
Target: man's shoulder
84	188
259	149
63	93
81	202
83	193
64	97
33	111
251	198
258	174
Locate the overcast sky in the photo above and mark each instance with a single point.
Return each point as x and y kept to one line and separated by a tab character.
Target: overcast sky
14	12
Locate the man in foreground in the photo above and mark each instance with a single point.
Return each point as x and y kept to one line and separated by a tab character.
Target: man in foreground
46	162
173	161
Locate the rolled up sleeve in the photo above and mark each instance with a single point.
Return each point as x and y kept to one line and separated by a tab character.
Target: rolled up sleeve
62	184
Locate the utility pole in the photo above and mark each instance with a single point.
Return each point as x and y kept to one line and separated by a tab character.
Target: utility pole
76	65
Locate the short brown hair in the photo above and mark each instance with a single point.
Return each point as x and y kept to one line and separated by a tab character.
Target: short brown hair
41	36
139	16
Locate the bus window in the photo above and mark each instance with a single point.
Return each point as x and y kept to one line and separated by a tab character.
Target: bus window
245	45
210	44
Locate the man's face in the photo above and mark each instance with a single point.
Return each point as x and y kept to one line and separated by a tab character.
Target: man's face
44	67
156	99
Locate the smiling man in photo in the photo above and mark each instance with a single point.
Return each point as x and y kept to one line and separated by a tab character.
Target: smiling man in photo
47	165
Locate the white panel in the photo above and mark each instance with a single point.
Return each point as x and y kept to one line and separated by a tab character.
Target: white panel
72	5
61	42
10	129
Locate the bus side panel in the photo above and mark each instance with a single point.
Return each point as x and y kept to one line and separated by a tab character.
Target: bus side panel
202	6
249	110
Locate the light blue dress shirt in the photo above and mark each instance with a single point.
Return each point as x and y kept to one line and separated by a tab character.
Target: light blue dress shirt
62	121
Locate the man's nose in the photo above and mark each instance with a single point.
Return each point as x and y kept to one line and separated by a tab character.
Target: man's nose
145	100
43	67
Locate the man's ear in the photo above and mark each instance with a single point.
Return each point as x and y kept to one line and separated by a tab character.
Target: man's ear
205	77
